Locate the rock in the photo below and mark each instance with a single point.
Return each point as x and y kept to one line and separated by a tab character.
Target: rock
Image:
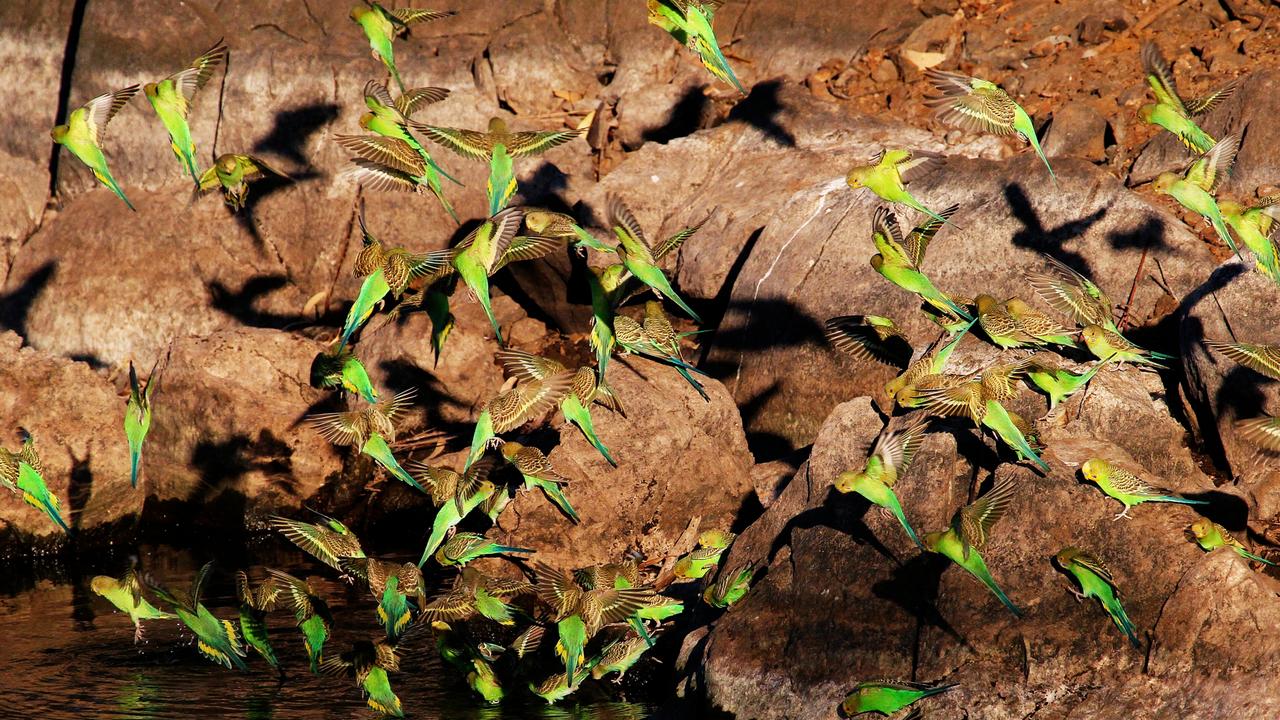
681	461
227	439
847	592
78	422
802	271
1077	130
1236	304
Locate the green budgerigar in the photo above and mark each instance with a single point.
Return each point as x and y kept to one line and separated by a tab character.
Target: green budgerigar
1107	344
338	367
982	401
1096	582
399	589
1170	111
870	337
369	662
455	496
329	541
171	98
1127	487
888	173
576	404
536	471
254	605
218	640
899	259
689	22
1194	188
311	611
656	339
962	542
1210	536
1046	373
638	257
82	134
22	473
382	26
731	586
370	428
980	105
890	458
512	408
579	614
232	172
464	547
137	417
886	697
1255	227
126	594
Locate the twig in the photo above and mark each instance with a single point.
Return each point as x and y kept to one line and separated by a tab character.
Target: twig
1133	288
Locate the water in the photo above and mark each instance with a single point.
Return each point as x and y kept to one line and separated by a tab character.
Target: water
66	653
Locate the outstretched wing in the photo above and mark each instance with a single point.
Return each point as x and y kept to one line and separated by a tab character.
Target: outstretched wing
1212	168
974	521
987	109
190	80
918	240
101	109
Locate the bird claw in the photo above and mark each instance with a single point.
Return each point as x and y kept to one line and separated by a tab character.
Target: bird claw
1079	595
1122	514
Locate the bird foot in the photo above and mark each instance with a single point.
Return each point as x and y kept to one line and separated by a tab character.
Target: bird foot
1079	595
1123	514
886	514
137	634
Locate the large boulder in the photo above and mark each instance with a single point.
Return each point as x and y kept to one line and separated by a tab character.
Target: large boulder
77	419
802	271
846	598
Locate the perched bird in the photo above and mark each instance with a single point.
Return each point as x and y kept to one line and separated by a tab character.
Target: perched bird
576	404
499	146
689	22
396	147
385	271
1059	383
392	584
606	285
1263	359
1107	344
981	400
512	408
464	547
1041	327
370	428
369	663
1262	431
218	640
455	495
1170	111
999	325
1128	488
381	26
23	473
536	471
1096	582
926	371
962	542
870	337
338	367
329	541
312	612
579	614
171	98
889	172
137	417
890	458
82	134
621	656
898	260
1255	226
126	595
657	340
887	698
980	105
639	258
233	172
730	586
1194	188
1210	536
254	605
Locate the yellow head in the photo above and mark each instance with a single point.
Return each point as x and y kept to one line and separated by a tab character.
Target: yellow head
1016	306
358	12
1200	528
497	125
857	176
58	133
985	303
847	481
1094	469
151	90
226	163
1066	556
1146	112
1165	181
1092	334
365	119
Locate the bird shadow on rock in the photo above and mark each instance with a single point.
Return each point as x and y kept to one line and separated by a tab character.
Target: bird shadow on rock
262	189
914	587
292	128
79	487
1150	235
1035	236
714	309
240	304
432	396
761	109
689	115
839	513
544	188
218	501
15	304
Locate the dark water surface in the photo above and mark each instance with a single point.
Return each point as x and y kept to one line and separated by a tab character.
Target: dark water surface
66	653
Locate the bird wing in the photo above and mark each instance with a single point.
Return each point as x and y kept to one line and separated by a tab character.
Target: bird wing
976	519
409	16
255	167
341	428
1071	293
611	605
1262	431
468	143
1159	72
899	448
100	110
528	400
1094	565
852	334
393	408
964	399
999	382
1206	103
417	98
884	223
975	109
391	152
528	247
673	243
917	164
621	216
527	366
298	591
521	144
190	80
377	91
1264	359
197	584
377	176
311	538
557	589
918	239
1212	168
1127	483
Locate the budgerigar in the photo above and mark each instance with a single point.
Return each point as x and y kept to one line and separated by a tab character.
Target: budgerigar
887	698
1096	582
890	458
382	26
171	98
1127	487
218	640
968	533
888	173
689	22
899	263
1194	189
82	134
126	595
1170	111
1210	536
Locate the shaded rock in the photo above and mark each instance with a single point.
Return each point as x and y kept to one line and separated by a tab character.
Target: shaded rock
803	271
227	435
1077	130
835	597
681	461
1236	304
78	422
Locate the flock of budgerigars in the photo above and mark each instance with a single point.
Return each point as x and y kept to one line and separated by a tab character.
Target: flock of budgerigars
605	617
